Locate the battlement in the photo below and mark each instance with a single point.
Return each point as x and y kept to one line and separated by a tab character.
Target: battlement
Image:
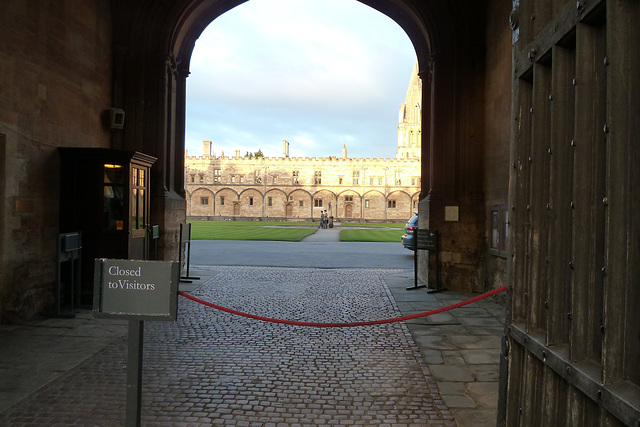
288	160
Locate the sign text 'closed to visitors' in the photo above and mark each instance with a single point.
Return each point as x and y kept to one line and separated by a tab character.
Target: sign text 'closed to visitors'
143	290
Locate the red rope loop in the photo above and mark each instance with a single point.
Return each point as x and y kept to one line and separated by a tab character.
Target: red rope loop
344	325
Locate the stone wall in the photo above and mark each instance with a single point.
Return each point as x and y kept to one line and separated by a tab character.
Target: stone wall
497	131
54	90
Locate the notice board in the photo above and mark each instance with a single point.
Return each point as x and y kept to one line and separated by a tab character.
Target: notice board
142	290
427	239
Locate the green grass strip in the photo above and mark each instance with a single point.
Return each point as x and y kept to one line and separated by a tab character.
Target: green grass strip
371	235
249	230
371	224
287	231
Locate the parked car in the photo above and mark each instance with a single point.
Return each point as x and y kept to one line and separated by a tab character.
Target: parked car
409	231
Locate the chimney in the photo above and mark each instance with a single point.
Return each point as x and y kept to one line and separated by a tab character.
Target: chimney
237	154
206	148
285	148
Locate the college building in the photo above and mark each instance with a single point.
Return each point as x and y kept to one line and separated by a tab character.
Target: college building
286	188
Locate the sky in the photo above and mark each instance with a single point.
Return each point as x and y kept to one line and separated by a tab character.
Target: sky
317	73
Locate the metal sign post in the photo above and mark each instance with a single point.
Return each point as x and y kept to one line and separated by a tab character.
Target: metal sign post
426	239
134	373
69	250
137	291
415	269
154	231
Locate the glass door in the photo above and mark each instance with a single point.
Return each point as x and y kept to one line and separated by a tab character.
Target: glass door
113	200
139	212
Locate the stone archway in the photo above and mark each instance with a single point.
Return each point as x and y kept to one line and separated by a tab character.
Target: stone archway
447	38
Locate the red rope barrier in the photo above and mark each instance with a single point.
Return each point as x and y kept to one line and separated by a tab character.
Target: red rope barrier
344	325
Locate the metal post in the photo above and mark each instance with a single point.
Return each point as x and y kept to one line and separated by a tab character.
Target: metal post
415	268
436	249
189	256
77	293
187	243
416	245
134	373
59	279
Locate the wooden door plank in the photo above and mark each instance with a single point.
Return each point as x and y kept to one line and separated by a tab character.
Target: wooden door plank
588	191
561	192
539	195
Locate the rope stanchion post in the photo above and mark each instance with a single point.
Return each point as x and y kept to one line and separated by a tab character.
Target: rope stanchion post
185	238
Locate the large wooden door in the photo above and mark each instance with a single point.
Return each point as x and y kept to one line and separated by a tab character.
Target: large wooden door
572	345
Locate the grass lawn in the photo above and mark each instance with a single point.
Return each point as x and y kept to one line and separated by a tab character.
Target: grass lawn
287	231
250	230
371	235
371	224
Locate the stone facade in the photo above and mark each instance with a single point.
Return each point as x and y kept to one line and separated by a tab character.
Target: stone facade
301	188
54	65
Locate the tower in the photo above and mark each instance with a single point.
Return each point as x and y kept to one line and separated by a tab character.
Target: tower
410	119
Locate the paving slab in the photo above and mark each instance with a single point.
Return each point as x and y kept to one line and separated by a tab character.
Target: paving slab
481	356
489	372
41	350
432	357
458	373
472	342
452	388
475	417
484	394
433	342
457	401
461	349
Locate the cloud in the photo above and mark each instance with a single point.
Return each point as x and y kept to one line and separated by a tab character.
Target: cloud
319	73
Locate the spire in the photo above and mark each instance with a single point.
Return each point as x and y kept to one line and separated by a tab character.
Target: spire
410	119
344	151
413	99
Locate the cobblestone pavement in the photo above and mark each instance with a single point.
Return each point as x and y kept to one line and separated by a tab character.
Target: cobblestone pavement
212	367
